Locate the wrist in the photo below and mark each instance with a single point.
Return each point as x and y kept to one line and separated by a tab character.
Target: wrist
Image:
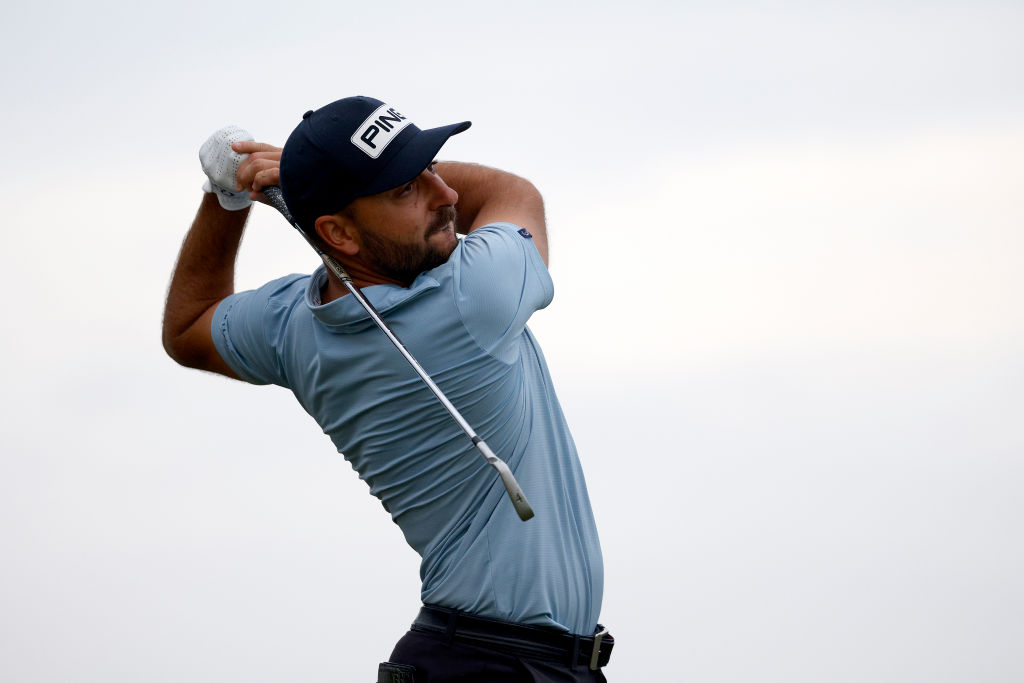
230	200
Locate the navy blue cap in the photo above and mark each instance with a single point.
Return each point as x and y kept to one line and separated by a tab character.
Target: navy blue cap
355	147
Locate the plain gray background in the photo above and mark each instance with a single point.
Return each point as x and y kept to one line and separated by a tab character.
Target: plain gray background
786	241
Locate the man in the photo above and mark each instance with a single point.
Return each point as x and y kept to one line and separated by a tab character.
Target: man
504	600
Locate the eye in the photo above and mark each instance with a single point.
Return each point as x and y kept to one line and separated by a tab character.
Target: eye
431	165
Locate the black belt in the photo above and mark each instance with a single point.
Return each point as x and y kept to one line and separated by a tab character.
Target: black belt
529	641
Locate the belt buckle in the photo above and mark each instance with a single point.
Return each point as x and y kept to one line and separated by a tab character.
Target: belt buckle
595	652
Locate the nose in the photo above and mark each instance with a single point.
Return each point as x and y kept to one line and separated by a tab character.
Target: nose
441	194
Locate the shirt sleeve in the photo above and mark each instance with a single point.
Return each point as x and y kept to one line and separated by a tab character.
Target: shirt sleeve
248	328
500	281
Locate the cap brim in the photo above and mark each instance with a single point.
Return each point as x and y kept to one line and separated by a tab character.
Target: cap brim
414	156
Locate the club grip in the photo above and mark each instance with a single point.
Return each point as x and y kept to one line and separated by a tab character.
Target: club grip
276	200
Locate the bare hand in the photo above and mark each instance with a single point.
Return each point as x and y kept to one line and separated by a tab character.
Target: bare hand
262	168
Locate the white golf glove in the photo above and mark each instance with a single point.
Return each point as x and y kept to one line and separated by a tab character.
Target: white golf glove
220	164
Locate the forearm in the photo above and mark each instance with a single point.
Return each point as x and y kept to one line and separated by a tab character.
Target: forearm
203	276
481	188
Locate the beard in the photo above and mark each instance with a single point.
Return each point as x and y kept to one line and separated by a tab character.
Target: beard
404	262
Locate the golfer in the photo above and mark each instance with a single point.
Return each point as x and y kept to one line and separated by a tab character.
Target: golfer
503	599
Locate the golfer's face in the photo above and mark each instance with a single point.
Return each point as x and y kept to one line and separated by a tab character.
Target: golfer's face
410	228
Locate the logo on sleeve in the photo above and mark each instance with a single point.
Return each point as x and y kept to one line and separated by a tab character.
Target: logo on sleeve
378	130
525	233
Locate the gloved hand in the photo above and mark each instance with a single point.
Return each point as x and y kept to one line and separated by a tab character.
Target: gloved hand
220	164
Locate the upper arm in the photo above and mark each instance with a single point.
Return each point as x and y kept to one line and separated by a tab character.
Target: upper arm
522	205
242	335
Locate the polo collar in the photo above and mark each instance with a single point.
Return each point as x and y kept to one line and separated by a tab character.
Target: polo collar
345	314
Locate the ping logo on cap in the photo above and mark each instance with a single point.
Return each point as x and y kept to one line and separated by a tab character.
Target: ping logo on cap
378	130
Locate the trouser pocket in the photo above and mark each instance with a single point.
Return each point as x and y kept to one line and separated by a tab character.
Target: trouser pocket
389	672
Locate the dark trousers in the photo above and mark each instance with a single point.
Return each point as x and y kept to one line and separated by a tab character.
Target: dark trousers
439	659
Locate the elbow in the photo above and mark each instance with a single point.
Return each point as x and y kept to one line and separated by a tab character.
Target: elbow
191	356
182	348
529	194
198	353
533	204
186	336
169	340
177	349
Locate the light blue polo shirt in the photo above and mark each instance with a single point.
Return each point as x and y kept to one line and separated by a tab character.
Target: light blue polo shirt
465	322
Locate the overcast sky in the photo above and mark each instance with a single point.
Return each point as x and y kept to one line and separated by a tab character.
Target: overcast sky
787	243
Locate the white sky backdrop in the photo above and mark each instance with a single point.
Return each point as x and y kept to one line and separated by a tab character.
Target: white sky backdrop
787	247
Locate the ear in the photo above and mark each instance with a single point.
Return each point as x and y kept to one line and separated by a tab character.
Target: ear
338	232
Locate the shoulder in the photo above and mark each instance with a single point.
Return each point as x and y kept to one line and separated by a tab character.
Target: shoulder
501	239
283	292
499	228
501	257
286	288
499	281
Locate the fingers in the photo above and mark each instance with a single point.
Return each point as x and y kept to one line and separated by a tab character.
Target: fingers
255	174
260	168
251	147
267	178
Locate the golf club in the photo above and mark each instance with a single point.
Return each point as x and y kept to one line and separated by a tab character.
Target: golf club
515	493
